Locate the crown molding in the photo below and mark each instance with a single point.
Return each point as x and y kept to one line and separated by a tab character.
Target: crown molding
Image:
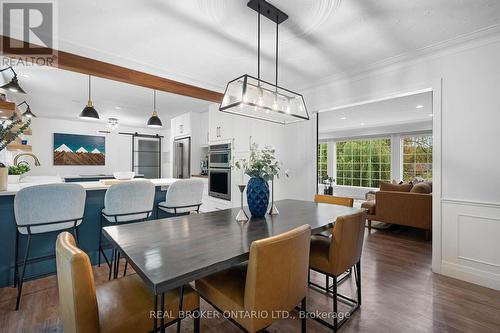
456	44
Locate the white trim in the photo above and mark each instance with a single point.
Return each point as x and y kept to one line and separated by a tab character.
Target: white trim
471	274
471	203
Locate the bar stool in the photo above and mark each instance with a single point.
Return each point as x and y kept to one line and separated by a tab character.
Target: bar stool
44	209
127	202
183	197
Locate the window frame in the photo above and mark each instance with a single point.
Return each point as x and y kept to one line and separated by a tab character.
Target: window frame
402	153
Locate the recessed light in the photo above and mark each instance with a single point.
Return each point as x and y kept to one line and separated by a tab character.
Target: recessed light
343	118
431	114
362	124
24	75
420	106
118	107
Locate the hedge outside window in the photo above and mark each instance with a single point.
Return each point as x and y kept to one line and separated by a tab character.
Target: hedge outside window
364	162
417	157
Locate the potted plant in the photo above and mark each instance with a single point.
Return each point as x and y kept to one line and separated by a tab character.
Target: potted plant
16	171
7	135
261	166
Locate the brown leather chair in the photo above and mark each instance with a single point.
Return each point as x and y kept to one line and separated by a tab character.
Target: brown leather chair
121	305
334	200
333	256
272	283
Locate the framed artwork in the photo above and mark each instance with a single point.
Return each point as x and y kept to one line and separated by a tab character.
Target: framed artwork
75	149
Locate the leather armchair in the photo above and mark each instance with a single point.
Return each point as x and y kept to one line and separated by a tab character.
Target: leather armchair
121	305
273	281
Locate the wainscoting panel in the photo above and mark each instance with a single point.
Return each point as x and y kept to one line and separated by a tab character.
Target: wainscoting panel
471	242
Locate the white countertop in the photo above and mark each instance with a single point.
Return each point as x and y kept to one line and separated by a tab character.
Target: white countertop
12	189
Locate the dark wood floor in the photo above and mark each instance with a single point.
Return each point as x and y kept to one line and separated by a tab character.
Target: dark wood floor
400	294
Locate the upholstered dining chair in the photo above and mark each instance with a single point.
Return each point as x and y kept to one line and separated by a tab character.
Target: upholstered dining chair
272	283
43	209
333	256
334	200
127	202
183	197
120	305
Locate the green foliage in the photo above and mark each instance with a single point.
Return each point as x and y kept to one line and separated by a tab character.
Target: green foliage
261	163
6	126
363	162
417	157
19	169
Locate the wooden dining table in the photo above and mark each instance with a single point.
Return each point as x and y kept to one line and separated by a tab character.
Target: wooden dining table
169	253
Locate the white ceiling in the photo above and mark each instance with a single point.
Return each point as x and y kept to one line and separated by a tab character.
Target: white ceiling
209	42
410	109
54	93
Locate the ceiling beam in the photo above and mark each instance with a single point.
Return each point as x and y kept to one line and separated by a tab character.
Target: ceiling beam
78	64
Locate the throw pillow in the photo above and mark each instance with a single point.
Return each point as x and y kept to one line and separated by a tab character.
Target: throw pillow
395	187
421	188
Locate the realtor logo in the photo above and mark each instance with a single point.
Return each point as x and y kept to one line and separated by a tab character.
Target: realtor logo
30	26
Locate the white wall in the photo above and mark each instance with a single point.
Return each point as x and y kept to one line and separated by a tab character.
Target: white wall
118	147
470	107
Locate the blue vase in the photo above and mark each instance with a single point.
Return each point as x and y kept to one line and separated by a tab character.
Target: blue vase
257	196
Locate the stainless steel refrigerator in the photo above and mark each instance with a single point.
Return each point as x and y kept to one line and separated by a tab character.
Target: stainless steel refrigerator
182	158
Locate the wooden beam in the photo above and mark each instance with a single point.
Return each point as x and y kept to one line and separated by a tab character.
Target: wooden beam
75	63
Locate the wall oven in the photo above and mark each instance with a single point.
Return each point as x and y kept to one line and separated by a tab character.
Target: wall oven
219	171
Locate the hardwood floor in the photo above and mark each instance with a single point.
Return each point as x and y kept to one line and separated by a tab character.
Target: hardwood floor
400	294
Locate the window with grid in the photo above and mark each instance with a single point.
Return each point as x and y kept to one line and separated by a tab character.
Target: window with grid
417	157
322	162
364	162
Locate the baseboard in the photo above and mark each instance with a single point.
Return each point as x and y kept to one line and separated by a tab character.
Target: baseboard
472	275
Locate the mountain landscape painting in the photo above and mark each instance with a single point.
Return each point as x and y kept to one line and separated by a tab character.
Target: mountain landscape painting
75	149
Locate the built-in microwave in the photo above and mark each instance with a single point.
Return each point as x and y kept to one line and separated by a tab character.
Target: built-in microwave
219	156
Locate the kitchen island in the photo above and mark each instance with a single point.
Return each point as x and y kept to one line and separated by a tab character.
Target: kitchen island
44	244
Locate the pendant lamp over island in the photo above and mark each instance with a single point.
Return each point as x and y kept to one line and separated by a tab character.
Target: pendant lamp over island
154	121
89	112
255	98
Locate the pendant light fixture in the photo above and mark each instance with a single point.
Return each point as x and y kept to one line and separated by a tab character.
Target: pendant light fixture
252	97
13	84
154	121
28	112
89	112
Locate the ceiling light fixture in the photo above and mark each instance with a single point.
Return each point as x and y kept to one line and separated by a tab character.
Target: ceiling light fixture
13	84
89	112
431	114
113	124
343	118
362	124
28	112
420	106
252	97
154	121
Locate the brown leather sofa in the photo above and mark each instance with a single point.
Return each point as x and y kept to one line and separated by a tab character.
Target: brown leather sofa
403	205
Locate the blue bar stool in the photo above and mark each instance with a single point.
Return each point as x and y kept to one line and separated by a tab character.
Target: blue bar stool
127	202
43	209
183	197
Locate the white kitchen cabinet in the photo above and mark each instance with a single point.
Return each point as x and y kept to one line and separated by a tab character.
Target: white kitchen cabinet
181	125
204	139
220	124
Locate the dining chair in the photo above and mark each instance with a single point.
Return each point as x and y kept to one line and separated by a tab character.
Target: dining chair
120	305
43	209
271	283
183	197
333	256
334	200
127	202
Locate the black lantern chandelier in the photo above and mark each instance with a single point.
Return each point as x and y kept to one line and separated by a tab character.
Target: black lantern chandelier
252	97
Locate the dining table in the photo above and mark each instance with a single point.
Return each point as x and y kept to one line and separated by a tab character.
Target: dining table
172	252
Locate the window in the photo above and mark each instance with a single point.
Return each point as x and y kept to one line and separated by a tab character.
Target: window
322	162
363	162
417	157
